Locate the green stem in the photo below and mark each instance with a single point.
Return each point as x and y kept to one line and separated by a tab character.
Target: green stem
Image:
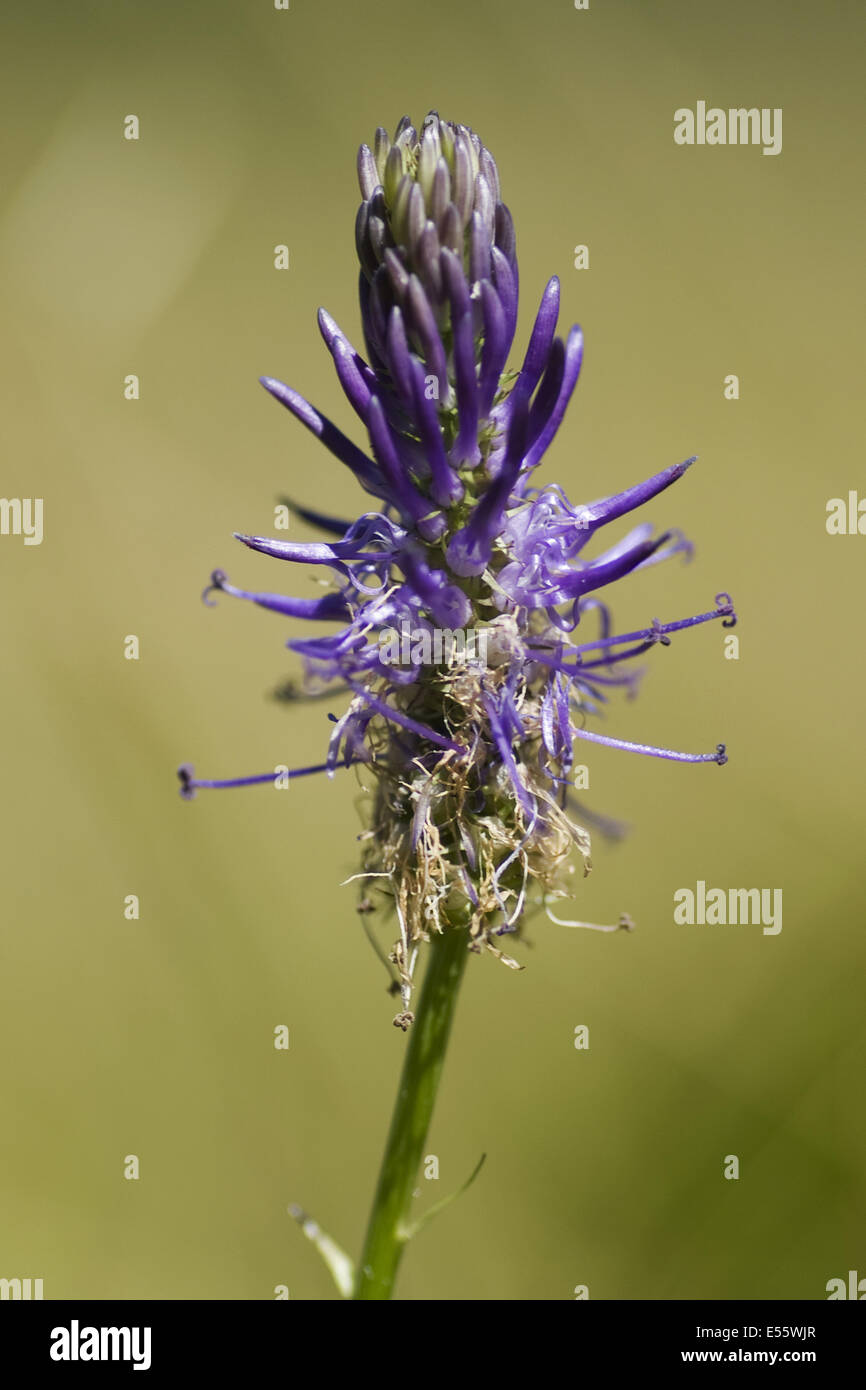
389	1225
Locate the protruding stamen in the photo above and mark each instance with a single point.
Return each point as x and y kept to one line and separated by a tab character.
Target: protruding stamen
625	923
190	784
720	755
659	630
329	606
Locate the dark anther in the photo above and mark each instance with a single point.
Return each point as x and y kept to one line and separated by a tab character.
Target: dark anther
186	773
217	580
726	605
287	691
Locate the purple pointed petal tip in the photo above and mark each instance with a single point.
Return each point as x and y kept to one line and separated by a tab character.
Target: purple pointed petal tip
270	546
572	362
333	438
600	513
275	387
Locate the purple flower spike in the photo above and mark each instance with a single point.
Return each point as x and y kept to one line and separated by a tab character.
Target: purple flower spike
461	622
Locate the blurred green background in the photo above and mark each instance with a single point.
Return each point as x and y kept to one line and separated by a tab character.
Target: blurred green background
155	1037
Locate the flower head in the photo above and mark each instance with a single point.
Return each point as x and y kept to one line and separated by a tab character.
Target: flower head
469	759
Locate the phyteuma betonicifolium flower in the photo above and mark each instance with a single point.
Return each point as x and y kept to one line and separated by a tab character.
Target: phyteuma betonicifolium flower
458	607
